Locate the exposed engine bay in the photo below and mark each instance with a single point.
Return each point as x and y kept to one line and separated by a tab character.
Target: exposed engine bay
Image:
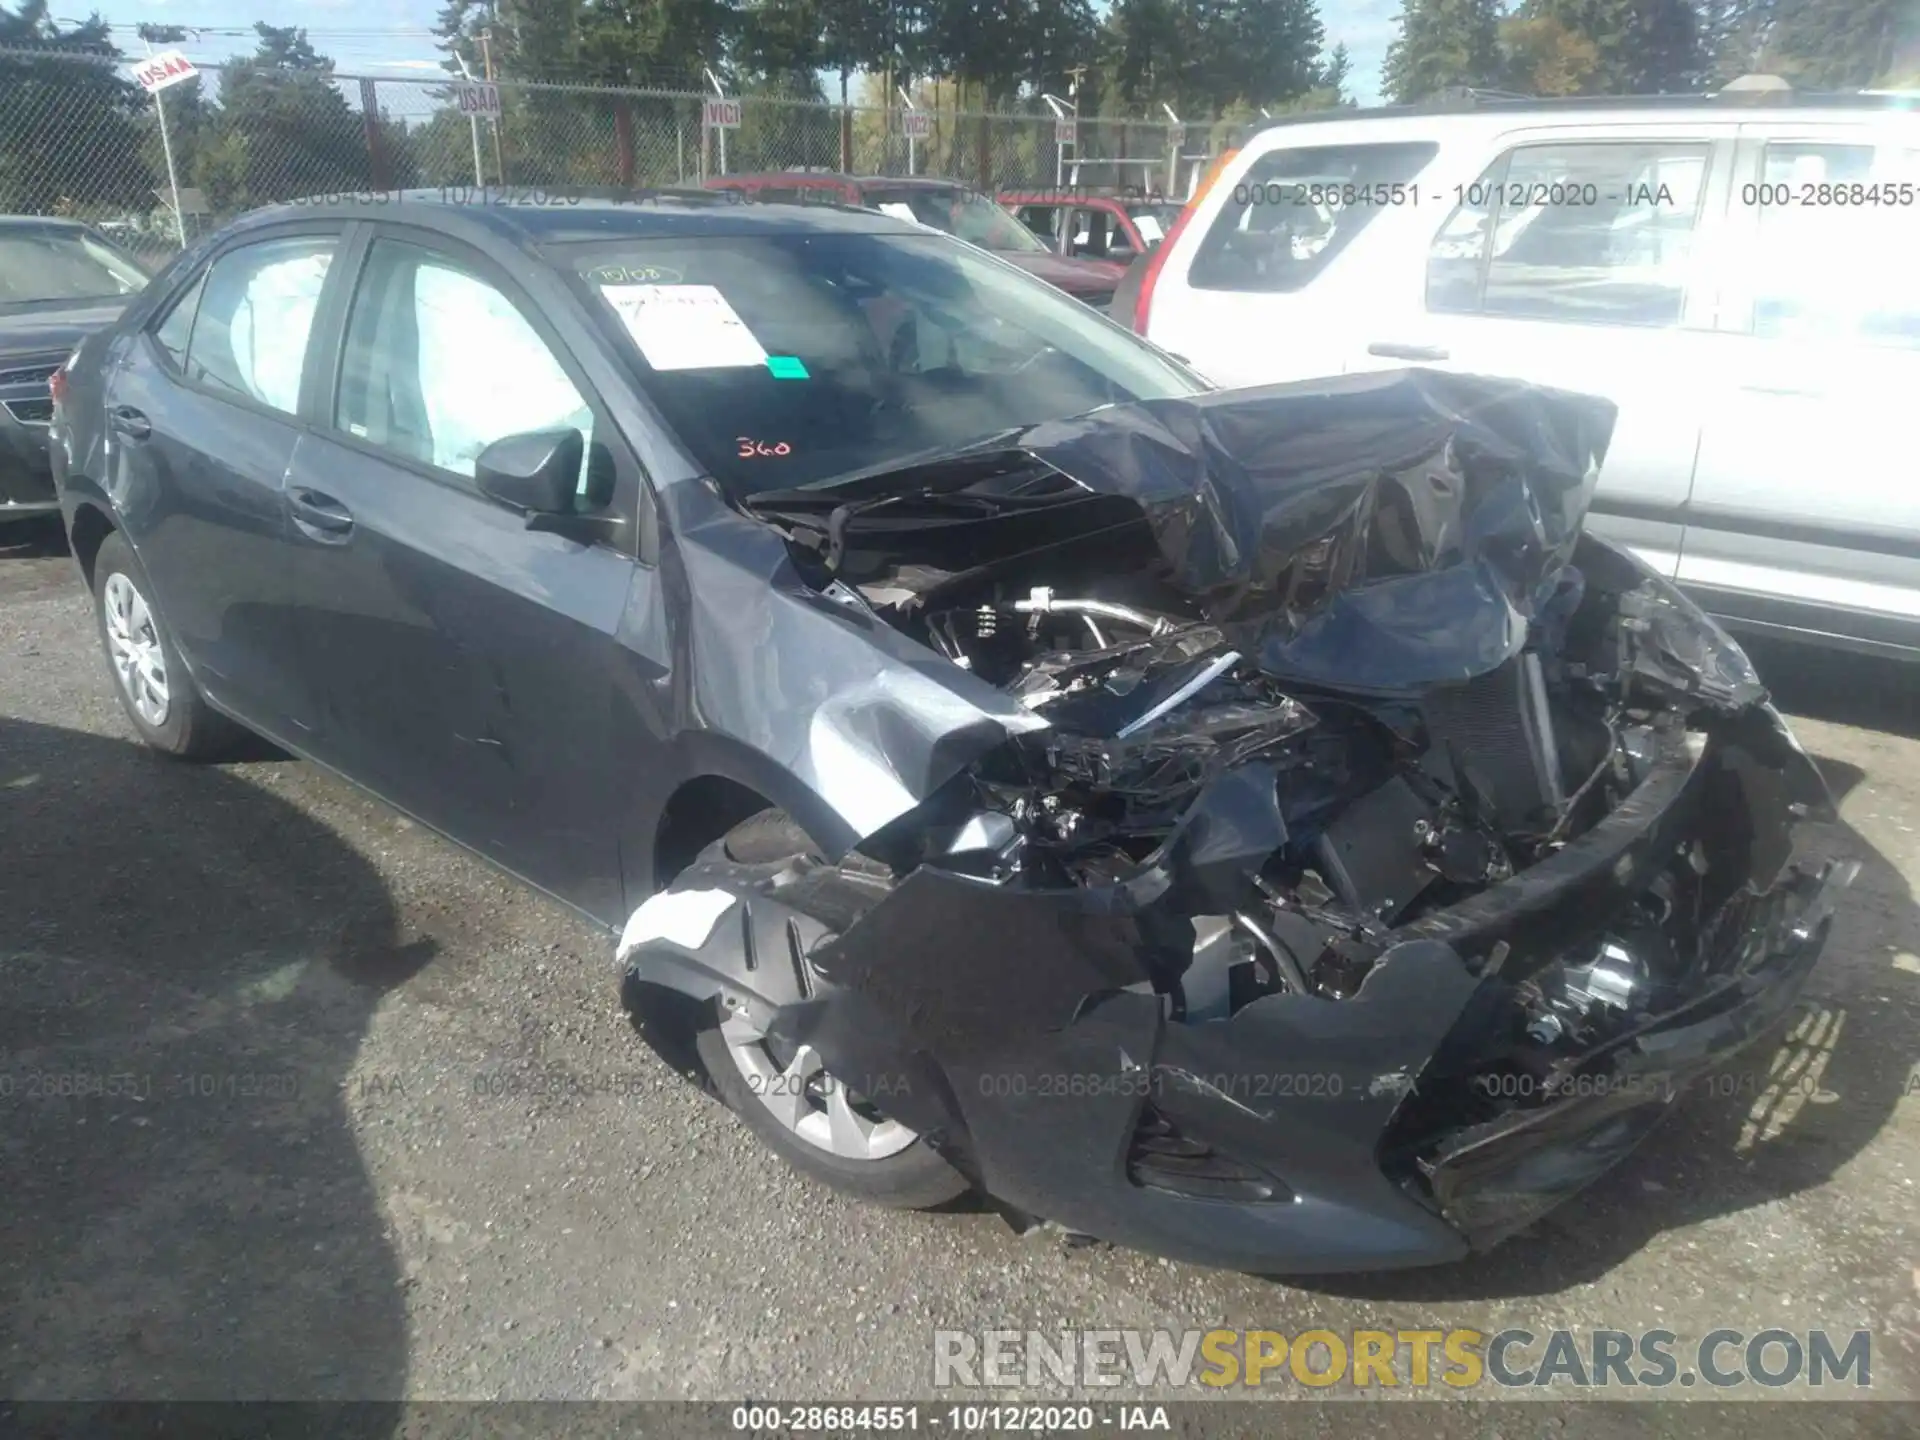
1341	739
1392	808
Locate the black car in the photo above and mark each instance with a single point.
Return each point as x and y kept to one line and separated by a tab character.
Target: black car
59	282
1259	827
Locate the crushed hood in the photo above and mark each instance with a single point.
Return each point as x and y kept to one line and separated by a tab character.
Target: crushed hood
1379	532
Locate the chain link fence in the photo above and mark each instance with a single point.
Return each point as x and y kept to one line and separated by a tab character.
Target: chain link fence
78	139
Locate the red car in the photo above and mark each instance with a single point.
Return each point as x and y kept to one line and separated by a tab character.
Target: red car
1084	225
944	205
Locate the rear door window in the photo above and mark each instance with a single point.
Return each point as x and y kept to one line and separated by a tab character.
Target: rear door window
255	314
1297	209
1836	236
1598	233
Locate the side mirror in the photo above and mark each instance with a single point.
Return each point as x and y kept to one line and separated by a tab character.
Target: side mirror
537	471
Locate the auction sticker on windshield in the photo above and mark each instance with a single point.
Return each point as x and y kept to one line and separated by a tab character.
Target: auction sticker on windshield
684	327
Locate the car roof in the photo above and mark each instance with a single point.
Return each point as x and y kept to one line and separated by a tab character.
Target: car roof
1081	197
556	217
1498	107
837	177
41	222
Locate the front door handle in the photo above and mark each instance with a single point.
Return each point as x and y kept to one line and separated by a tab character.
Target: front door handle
321	517
1387	350
130	422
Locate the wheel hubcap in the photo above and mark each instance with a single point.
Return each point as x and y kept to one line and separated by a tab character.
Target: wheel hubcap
133	644
802	1096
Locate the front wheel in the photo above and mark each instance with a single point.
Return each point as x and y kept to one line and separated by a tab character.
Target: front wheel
784	1094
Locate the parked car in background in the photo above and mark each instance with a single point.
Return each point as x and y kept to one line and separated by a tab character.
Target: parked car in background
1089	226
941	692
945	205
1737	277
59	281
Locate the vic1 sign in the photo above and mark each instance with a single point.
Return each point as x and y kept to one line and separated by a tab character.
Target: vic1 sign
478	99
157	72
722	114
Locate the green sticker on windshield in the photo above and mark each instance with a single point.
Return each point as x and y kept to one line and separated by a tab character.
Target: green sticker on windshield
786	367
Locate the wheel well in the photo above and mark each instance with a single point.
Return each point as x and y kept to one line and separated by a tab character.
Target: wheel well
90	531
700	812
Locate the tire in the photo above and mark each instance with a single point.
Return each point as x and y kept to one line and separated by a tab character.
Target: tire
171	716
907	1174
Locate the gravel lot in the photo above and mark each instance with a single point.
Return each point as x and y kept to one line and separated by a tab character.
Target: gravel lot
311	1191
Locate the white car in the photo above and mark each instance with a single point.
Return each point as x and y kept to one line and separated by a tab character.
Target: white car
1736	272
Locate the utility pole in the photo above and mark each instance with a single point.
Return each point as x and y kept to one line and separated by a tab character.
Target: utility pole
486	60
473	125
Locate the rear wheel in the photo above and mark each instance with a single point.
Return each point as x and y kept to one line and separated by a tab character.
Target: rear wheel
160	698
784	1093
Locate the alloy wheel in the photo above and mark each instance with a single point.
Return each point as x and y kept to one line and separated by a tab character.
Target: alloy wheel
799	1092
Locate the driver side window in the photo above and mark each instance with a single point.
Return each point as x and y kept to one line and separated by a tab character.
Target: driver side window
439	363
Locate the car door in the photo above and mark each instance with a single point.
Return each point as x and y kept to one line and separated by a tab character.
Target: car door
203	416
1586	261
1805	510
463	660
1091	234
1043	220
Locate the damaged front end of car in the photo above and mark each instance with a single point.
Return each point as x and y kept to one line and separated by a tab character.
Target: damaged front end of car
1375	857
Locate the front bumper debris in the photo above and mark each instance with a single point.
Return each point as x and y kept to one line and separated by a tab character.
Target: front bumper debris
1018	1030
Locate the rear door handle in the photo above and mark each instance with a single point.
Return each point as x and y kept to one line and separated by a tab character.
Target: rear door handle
1387	350
130	422
321	517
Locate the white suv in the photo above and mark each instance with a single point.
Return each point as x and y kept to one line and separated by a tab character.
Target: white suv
1741	279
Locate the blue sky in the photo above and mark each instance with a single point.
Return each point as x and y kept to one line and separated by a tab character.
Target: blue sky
394	37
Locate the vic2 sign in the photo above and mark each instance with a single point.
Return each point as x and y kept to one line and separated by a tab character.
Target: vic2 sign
157	72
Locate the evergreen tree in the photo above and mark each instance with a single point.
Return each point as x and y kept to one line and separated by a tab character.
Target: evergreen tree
1143	50
1443	43
1733	36
1265	52
1336	75
70	129
1843	44
1640	47
284	125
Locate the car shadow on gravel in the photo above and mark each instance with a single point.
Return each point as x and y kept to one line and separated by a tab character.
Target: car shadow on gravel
1780	1120
189	966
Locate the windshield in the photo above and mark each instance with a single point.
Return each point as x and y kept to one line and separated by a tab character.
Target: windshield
799	359
966	213
60	264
